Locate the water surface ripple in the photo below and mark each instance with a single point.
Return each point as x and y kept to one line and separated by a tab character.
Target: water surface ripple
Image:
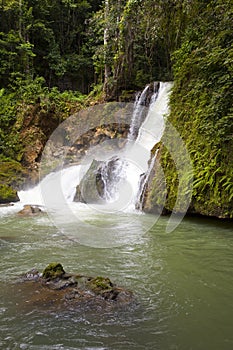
182	282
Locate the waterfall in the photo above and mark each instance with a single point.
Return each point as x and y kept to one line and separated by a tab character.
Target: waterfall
121	173
139	108
142	100
112	172
147	126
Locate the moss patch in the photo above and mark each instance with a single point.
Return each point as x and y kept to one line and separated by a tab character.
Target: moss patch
100	284
53	270
8	194
11	172
12	175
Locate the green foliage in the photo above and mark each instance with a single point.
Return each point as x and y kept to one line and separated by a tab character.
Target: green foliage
28	98
135	41
43	38
12	175
73	44
8	140
28	90
7	194
201	108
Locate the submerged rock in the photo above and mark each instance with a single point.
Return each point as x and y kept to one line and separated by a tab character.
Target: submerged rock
55	287
29	210
32	275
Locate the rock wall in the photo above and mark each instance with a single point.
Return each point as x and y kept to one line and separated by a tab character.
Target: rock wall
209	195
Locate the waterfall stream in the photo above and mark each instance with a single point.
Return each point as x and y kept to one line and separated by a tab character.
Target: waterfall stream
120	174
146	130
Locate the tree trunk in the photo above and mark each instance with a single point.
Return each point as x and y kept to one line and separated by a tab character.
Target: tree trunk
107	69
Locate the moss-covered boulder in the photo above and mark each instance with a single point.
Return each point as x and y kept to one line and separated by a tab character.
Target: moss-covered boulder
8	194
53	270
12	176
100	284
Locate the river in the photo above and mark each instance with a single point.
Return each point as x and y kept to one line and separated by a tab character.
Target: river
182	282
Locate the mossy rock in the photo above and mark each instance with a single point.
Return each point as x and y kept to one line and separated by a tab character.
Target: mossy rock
8	194
100	284
57	289
12	176
53	270
12	173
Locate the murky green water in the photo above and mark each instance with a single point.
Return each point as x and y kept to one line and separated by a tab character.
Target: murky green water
183	284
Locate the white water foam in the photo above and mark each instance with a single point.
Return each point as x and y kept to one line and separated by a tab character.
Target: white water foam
67	179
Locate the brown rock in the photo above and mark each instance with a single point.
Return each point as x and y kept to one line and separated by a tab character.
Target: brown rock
30	210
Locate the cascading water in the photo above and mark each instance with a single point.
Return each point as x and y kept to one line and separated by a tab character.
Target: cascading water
123	176
139	108
142	101
146	129
68	178
112	172
115	171
121	173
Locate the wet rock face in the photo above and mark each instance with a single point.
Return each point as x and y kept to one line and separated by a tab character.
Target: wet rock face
55	287
99	179
153	87
115	134
89	189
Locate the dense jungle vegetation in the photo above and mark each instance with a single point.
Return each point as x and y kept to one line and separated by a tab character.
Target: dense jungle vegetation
57	55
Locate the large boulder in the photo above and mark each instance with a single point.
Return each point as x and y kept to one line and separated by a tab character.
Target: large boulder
91	186
99	182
